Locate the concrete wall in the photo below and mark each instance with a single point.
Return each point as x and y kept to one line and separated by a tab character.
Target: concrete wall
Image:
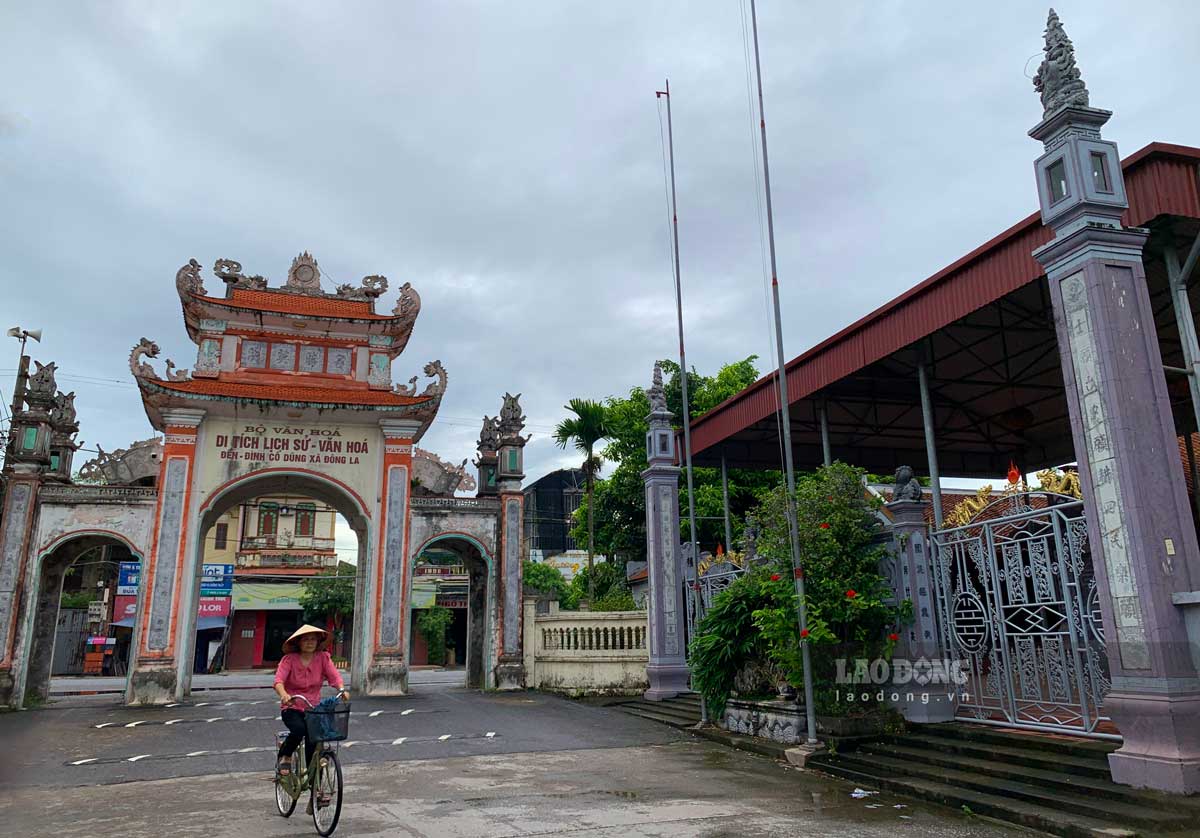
585	652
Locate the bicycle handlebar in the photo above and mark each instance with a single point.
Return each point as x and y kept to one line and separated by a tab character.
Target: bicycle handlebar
339	693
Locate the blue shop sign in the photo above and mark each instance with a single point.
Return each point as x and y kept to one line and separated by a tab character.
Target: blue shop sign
217	580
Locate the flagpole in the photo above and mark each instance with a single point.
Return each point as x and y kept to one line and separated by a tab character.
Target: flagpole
786	423
683	379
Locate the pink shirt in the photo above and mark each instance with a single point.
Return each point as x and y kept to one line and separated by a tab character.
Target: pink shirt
299	679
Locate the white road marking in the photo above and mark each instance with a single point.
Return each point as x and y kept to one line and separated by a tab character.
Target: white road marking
197	753
136	758
245	718
406	712
444	737
106	724
375	713
173	721
399	741
176	704
248	750
213	719
350	744
84	761
491	734
135	724
201	704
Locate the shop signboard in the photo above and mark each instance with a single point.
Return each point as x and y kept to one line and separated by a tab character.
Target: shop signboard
128	574
217	580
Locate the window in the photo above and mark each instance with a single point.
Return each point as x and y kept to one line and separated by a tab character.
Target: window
1100	172
306	518
268	518
30	438
1056	180
54	461
221	538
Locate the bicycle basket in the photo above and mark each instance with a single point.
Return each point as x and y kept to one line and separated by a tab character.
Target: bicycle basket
328	724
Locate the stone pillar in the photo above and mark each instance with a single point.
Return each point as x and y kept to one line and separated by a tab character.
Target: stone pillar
667	670
16	533
1142	539
510	666
387	673
164	595
914	580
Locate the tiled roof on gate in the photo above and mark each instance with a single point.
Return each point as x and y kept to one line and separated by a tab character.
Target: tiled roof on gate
280	303
290	393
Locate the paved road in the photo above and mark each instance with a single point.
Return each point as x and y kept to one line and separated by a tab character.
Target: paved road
444	761
236	680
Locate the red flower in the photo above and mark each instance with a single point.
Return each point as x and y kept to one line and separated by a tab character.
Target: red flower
851	594
823	525
804	632
893	637
775	577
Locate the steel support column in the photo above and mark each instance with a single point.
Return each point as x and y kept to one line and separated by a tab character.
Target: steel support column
1186	323
826	448
725	501
935	477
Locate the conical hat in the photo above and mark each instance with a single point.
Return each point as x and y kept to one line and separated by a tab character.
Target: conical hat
290	645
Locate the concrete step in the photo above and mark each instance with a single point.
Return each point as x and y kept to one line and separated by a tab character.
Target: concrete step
1088	766
1022	813
1026	740
1080	802
657	716
1049	779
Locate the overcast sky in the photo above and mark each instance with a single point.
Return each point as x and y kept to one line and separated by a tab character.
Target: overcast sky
506	159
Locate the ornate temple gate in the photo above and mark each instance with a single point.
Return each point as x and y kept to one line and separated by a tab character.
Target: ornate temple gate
1019	609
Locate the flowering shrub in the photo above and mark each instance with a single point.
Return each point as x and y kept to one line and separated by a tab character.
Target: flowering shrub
847	598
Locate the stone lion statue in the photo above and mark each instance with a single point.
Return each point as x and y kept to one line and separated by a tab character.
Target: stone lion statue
907	486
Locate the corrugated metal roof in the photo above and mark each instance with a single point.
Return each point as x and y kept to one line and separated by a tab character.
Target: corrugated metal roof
1160	179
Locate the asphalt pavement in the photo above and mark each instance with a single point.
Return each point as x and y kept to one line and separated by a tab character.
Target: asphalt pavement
443	761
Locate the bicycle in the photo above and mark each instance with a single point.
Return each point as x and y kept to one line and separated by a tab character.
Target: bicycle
323	778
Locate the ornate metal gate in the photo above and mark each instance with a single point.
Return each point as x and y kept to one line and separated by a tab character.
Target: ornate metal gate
1019	608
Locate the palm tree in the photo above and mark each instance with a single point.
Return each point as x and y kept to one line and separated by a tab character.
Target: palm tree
588	426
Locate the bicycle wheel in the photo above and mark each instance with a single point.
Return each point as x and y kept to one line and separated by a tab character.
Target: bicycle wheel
328	788
284	801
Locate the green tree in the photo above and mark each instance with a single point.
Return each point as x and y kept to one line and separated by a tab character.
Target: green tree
618	503
586	428
543	579
324	598
433	622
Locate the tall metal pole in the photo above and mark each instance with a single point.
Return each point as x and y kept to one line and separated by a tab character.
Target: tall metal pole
826	448
725	500
683	381
935	476
786	419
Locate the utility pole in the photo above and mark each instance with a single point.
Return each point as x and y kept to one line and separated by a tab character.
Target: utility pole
683	379
786	419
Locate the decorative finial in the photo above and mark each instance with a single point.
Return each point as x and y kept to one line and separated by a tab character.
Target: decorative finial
658	399
1058	79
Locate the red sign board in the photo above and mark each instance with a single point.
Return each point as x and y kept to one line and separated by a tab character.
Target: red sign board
213	606
125	607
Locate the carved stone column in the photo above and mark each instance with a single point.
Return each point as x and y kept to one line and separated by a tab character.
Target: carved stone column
155	669
667	670
1140	530
16	531
913	580
510	666
387	673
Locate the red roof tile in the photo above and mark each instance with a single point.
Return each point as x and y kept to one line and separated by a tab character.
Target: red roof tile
290	393
280	303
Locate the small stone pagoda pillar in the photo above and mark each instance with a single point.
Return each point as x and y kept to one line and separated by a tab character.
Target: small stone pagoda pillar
913	580
27	459
510	666
667	670
1143	542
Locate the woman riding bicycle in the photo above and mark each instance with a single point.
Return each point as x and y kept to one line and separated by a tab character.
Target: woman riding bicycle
305	667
